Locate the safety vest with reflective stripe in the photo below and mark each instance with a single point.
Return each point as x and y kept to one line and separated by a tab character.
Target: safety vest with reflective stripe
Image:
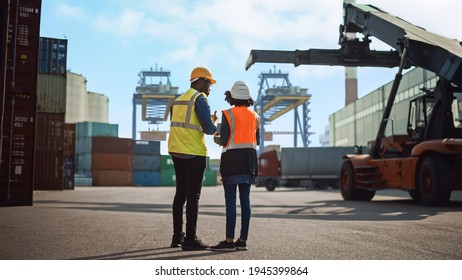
243	125
186	136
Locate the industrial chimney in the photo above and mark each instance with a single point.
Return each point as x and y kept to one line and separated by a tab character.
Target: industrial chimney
351	77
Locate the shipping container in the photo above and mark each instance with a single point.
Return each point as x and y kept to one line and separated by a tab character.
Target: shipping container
168	177
53	56
18	88
49	132
83	164
49	170
17	167
146	178
111	161
166	162
112	145
81	180
93	129
210	178
83	145
69	140
69	156
112	178
49	157
51	93
317	167
146	148
146	163
69	172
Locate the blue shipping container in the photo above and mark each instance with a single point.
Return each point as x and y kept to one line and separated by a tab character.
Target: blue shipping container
146	148
146	178
146	163
83	145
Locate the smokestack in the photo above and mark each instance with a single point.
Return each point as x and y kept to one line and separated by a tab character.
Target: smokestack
351	76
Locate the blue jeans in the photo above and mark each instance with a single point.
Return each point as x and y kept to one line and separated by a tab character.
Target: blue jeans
230	199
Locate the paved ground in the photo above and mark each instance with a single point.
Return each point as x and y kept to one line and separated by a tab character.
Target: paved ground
288	224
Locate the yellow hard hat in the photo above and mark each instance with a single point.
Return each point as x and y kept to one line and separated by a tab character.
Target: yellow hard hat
201	72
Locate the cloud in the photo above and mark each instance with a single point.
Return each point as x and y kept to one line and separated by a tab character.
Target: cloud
127	24
64	10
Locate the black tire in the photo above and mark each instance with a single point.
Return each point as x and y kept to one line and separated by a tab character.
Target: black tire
415	195
435	181
270	185
322	184
348	184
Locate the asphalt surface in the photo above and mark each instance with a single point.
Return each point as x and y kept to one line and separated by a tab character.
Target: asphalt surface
114	223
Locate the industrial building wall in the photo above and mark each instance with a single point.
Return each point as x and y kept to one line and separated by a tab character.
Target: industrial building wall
358	123
83	106
76	89
97	107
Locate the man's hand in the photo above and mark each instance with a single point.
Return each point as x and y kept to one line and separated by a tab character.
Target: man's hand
215	118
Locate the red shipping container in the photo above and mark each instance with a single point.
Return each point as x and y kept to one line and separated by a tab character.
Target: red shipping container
20	26
112	178
112	145
49	132
111	161
69	139
49	170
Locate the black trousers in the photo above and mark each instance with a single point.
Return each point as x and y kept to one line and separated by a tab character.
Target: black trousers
189	175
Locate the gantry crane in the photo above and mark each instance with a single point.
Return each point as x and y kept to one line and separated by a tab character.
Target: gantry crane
154	96
274	101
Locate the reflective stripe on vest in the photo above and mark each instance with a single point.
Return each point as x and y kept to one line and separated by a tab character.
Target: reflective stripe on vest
187	121
241	139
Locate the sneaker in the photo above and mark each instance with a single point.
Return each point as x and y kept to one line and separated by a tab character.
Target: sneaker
177	240
224	247
193	245
241	245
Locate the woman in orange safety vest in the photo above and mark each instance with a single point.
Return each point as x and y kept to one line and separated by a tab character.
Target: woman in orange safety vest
239	136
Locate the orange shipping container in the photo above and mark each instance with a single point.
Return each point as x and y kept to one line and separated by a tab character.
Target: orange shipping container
112	178
110	161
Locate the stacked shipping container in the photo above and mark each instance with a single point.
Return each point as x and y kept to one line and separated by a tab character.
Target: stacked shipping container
168	178
49	143
84	133
112	161
146	168
19	40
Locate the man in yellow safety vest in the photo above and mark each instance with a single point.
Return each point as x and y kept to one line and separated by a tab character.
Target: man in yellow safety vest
190	121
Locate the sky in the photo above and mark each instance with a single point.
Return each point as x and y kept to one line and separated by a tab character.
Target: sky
111	41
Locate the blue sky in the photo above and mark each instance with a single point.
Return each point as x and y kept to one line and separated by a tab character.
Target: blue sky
110	41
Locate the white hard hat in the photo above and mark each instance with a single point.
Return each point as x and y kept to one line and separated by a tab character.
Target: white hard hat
240	91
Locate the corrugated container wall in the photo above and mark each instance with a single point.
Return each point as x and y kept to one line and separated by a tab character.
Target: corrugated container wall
53	56
69	156
51	93
147	162
85	132
112	161
49	157
20	28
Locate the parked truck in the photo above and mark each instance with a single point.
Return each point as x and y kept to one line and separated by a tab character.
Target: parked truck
316	167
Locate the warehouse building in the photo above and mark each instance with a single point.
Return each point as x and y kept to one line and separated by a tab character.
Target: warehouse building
358	122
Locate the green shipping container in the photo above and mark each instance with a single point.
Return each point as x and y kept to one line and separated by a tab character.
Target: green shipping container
168	178
166	162
210	178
